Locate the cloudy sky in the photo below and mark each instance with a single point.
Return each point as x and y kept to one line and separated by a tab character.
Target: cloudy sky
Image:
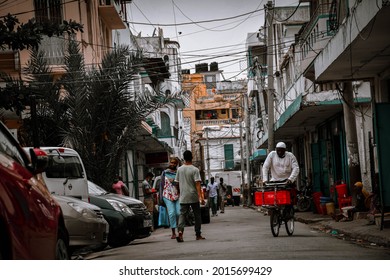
207	30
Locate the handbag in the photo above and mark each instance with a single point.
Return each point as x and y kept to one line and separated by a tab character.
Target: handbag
163	220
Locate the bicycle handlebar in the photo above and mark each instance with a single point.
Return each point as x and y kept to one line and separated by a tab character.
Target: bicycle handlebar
272	184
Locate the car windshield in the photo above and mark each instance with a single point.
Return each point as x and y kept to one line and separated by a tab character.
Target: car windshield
95	189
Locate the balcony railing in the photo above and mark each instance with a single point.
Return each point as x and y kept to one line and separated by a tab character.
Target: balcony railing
215	122
322	11
54	48
218	98
316	34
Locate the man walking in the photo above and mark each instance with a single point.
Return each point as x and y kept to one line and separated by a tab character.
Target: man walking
222	194
191	195
212	190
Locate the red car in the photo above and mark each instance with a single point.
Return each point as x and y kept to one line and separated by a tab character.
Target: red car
31	222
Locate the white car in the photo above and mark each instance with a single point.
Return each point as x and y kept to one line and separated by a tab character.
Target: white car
84	221
65	173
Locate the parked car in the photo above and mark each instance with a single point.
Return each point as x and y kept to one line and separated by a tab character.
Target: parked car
65	173
85	223
31	221
143	218
205	209
121	219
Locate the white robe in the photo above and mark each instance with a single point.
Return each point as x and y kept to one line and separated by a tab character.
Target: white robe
281	168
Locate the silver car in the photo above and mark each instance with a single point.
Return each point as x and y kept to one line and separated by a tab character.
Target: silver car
84	222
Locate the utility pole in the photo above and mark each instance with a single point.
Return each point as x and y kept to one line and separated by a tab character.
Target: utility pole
247	146
270	65
207	153
242	153
351	137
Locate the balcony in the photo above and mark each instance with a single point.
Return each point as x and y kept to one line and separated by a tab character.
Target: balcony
315	35
214	122
110	11
218	98
360	47
54	48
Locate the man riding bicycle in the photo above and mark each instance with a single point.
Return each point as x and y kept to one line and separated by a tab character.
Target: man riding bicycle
282	164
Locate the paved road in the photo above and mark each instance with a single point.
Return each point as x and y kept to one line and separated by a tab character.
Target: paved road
244	234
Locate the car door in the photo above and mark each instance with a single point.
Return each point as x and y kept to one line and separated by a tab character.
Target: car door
31	211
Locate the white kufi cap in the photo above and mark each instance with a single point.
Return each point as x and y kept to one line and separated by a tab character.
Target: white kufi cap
281	145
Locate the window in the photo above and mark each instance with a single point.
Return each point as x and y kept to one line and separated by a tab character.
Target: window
235	113
8	147
229	156
165	126
69	167
48	10
210	81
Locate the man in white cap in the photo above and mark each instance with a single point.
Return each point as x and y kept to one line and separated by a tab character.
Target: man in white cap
282	164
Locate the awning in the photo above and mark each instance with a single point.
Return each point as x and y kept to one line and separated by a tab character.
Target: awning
306	113
147	142
259	154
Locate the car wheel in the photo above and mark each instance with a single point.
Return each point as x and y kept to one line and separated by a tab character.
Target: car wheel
62	250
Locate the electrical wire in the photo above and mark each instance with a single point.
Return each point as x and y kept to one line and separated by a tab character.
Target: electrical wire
33	11
290	16
150	23
198	22
213	29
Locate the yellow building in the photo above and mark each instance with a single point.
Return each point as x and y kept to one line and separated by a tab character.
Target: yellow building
211	103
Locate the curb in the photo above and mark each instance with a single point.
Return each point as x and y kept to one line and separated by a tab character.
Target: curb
362	235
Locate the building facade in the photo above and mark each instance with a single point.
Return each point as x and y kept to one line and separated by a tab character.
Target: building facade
213	119
327	86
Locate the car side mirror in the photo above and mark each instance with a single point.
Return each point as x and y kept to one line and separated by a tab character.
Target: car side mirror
39	160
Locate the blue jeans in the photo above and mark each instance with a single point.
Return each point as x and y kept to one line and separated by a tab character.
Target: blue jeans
173	208
214	204
184	211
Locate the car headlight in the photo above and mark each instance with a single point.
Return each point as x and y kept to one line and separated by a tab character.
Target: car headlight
121	207
87	213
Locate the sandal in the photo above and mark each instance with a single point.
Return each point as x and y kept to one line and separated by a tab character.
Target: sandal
180	237
173	236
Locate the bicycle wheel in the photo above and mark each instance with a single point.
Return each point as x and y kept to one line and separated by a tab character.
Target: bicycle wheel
289	220
275	225
303	204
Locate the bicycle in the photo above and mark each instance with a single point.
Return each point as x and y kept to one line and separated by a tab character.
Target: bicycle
304	197
276	198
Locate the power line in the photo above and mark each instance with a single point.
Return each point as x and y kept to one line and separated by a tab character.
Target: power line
197	22
150	23
33	11
214	29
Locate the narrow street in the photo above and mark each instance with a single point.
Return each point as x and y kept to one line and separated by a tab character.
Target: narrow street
243	234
